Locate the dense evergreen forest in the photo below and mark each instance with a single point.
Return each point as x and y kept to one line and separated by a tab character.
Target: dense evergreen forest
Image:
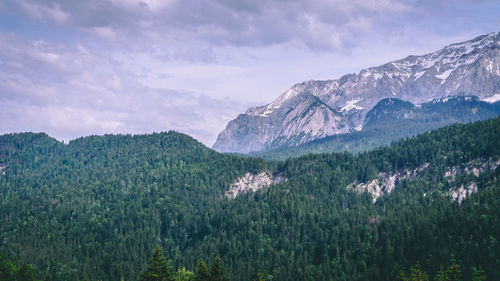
95	209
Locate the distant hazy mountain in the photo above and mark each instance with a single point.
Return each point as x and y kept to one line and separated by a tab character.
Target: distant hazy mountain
316	109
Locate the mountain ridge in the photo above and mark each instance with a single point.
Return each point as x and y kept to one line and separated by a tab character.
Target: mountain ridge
390	120
461	69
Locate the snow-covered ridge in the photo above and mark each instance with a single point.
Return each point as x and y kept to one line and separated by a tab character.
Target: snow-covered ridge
253	182
466	68
350	105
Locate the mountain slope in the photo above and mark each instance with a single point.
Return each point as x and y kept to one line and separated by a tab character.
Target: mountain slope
390	120
256	129
470	68
94	209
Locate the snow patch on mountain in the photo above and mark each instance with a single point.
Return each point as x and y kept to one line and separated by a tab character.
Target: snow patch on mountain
444	75
492	99
350	105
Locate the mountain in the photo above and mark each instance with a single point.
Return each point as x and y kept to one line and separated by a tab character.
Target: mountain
469	68
94	209
392	119
304	115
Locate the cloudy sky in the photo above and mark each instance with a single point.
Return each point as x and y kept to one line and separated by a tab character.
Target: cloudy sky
77	68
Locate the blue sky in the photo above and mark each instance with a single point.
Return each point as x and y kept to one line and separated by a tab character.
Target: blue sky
77	68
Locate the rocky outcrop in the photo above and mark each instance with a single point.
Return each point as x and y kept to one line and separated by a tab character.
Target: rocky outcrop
253	182
385	182
315	109
2	169
460	193
293	121
476	168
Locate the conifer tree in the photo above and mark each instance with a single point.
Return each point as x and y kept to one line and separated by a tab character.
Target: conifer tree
478	274
217	271
454	272
202	272
416	274
441	275
27	273
259	277
183	274
157	269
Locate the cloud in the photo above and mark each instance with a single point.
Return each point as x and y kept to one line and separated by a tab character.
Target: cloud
51	11
320	25
70	92
73	68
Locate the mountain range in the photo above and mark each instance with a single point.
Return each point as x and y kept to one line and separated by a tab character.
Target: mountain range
317	109
390	120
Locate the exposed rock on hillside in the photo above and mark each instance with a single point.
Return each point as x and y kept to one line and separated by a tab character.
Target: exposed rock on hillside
385	182
476	168
459	194
253	182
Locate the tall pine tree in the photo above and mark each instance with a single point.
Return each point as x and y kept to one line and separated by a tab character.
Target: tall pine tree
202	272
217	271
157	269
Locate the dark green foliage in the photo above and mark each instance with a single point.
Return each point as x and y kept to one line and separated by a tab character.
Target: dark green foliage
453	272
217	271
97	207
184	275
157	268
202	272
415	274
9	271
259	277
478	274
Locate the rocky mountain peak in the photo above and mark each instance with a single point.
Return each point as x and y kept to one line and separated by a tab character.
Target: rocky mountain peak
470	68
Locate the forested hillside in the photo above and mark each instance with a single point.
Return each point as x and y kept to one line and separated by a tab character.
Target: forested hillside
95	208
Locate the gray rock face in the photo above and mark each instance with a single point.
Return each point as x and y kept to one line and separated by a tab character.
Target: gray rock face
253	182
315	109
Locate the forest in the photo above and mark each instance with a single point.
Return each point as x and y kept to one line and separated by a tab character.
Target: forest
98	207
